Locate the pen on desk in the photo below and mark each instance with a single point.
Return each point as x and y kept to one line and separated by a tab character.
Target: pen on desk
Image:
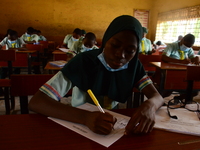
95	100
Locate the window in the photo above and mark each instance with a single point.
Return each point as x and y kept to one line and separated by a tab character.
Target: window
179	22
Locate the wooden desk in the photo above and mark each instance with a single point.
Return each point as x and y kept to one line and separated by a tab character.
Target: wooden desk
171	77
28	57
59	55
51	68
23	59
36	132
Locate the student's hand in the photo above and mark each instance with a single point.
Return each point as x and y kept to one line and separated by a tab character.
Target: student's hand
195	60
186	61
101	123
143	119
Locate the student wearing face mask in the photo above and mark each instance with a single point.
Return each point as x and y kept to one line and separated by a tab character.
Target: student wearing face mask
110	72
87	44
11	41
71	38
146	47
30	37
181	52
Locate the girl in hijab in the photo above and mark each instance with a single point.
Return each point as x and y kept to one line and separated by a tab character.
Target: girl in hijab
111	72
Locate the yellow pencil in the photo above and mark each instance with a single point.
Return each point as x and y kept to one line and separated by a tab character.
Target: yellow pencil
95	100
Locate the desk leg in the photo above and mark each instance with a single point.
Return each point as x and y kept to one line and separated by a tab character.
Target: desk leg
162	81
24	104
189	91
29	63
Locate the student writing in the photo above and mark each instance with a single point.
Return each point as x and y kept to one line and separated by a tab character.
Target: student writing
110	72
87	44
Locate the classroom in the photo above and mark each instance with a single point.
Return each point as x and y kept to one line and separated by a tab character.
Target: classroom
32	127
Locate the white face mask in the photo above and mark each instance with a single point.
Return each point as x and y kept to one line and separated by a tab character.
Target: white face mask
184	48
73	39
86	48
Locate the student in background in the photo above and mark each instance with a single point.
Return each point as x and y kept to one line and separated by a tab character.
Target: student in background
30	37
159	45
181	52
11	41
146	47
8	31
71	38
179	38
110	72
87	44
83	33
41	37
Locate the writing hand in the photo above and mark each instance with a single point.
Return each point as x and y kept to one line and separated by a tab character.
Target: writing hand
101	123
195	60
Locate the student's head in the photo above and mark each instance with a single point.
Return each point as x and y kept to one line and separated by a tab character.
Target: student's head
83	32
30	30
77	33
39	32
158	43
180	37
121	41
188	40
145	31
12	35
89	40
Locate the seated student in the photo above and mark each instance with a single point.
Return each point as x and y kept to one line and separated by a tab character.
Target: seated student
11	41
181	52
198	52
110	72
146	46
83	33
71	38
179	38
87	44
30	37
41	37
159	45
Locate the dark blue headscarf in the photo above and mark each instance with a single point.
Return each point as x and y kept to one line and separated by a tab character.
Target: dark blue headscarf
86	71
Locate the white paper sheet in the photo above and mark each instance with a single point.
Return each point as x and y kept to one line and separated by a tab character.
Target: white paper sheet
64	49
187	122
105	140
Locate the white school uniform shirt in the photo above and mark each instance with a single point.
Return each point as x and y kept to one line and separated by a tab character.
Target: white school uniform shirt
12	44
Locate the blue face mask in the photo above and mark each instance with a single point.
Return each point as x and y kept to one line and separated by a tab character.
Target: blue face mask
9	41
86	48
28	35
73	39
102	60
184	48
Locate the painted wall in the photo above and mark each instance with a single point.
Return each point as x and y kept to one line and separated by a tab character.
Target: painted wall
56	18
160	6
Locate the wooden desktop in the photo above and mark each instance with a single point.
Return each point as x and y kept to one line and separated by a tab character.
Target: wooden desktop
35	131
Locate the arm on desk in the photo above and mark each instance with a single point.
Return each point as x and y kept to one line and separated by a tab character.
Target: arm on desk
143	119
169	59
98	122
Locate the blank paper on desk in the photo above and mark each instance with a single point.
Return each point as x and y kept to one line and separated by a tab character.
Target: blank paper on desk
105	140
187	122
